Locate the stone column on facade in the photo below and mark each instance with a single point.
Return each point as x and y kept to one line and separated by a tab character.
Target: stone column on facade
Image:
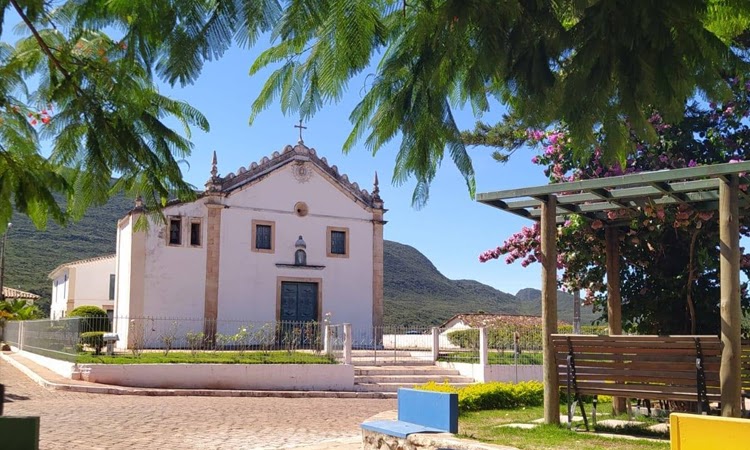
213	248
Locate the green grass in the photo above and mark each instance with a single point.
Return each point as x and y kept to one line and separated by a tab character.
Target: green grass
485	426
500	358
224	357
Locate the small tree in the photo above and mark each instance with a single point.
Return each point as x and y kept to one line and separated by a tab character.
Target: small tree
93	318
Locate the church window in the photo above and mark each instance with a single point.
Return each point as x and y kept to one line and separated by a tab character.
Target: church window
263	236
175	231
195	232
111	286
338	242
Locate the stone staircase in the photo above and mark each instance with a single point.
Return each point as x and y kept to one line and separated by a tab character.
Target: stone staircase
391	358
388	378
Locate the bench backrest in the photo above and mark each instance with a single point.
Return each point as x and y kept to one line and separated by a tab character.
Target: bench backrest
656	367
430	409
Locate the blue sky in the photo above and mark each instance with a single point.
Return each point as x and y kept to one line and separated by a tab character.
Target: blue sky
451	230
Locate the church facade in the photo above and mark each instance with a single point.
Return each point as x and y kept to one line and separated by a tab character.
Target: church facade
288	238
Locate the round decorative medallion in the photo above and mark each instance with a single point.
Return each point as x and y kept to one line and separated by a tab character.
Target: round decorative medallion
301	172
301	209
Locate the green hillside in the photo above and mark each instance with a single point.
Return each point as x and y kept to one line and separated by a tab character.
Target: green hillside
33	254
416	293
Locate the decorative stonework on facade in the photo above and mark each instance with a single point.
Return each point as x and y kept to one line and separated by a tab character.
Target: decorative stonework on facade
301	172
300	153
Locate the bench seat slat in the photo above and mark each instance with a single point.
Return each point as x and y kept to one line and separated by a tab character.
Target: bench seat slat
640	365
688	346
645	388
677	378
635	358
651	395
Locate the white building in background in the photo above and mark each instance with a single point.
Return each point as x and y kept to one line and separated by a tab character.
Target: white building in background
83	283
286	239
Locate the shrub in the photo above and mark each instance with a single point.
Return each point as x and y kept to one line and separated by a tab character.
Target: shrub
501	337
493	395
465	338
94	339
93	318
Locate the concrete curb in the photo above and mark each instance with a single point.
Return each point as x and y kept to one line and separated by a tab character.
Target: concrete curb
122	390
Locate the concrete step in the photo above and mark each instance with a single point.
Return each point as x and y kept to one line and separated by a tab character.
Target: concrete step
411	379
390	362
403	370
392	387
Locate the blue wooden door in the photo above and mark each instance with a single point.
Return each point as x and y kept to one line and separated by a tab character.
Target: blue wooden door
299	308
299	302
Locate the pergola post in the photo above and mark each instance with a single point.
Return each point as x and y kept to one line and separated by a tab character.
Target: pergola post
549	308
729	237
614	300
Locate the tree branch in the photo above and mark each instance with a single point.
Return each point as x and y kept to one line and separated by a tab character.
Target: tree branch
42	44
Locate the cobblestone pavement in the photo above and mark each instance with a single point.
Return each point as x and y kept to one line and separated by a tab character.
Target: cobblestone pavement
95	421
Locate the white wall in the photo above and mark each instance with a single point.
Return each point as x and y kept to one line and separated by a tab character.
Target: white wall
415	341
248	280
175	276
325	377
496	372
92	283
122	286
59	303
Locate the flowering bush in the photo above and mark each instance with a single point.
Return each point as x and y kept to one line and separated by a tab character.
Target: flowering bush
669	254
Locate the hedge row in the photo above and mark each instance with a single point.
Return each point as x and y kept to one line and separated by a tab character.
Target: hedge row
501	337
493	395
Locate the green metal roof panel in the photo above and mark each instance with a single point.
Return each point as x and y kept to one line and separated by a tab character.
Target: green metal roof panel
592	198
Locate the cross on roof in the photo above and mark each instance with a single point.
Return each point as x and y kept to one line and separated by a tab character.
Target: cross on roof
301	127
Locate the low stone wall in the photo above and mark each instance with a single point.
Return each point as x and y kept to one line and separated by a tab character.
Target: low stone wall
372	440
302	377
496	372
62	368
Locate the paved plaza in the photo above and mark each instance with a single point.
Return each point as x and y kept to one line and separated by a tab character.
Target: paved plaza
71	420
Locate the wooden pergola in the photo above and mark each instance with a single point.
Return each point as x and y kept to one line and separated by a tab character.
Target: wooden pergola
704	188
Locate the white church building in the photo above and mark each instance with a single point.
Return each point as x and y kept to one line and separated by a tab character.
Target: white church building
288	238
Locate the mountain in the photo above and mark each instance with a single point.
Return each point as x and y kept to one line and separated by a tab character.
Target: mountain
415	292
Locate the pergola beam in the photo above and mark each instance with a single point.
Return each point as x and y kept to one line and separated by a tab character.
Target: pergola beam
666	188
623	181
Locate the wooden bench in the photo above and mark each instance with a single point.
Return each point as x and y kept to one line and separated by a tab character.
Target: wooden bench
420	412
693	432
667	368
